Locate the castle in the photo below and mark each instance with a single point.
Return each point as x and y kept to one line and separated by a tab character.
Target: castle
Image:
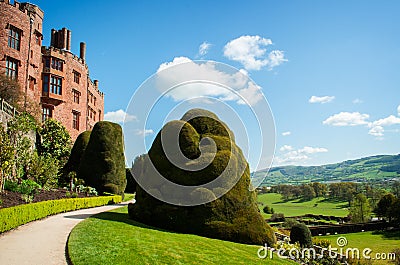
53	75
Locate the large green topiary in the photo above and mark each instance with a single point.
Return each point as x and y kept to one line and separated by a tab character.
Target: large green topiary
234	216
103	163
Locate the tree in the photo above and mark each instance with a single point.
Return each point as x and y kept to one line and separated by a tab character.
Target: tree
396	188
360	210
43	170
6	156
103	162
10	90
55	141
383	206
301	233
307	192
22	130
320	189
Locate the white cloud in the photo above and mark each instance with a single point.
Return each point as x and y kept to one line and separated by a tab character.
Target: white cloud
391	120
297	156
204	48
312	150
119	116
286	133
205	79
286	148
144	132
377	131
322	100
175	61
252	53
398	110
347	119
357	101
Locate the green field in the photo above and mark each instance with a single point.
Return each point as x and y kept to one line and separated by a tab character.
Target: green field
112	238
298	207
378	242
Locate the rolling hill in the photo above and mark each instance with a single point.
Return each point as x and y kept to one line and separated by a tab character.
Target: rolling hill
378	168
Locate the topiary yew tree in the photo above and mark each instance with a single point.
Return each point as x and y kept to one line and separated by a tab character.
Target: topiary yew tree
103	163
74	159
301	233
234	216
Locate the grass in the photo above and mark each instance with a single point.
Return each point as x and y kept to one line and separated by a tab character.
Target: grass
112	238
128	196
298	207
378	242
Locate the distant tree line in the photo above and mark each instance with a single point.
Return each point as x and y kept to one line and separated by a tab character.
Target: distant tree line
363	199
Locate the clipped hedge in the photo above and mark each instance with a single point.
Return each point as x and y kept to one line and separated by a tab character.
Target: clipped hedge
13	217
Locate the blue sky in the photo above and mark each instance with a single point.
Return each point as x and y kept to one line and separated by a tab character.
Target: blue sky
344	53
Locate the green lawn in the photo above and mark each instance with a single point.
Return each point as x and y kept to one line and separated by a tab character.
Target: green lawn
128	196
112	238
378	242
298	207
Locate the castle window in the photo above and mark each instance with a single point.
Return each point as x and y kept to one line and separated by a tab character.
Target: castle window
75	120
46	113
14	38
56	64
56	85
11	68
46	83
77	76
77	95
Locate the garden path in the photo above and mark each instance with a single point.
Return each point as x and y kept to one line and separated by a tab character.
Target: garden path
43	242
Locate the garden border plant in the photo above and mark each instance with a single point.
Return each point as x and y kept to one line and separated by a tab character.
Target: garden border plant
13	217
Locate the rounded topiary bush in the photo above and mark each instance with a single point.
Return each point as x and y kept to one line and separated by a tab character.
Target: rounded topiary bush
77	152
233	216
301	233
103	163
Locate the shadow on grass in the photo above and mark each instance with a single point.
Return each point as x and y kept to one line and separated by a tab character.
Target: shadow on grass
124	218
393	235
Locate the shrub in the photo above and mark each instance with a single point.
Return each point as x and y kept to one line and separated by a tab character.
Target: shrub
290	222
13	217
233	216
267	209
301	233
11	185
277	217
44	170
28	187
103	161
323	243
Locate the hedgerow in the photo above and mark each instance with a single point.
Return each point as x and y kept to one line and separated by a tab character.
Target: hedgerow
13	217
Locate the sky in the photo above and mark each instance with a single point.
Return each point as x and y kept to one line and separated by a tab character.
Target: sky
329	70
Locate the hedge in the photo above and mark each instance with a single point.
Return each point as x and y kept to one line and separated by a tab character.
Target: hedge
13	217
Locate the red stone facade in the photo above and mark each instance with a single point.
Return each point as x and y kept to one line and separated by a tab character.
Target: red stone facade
52	75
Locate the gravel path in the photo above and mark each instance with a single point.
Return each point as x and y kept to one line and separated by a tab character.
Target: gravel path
43	242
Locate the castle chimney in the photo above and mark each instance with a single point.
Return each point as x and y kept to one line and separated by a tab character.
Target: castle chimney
64	38
96	83
53	38
82	54
69	33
